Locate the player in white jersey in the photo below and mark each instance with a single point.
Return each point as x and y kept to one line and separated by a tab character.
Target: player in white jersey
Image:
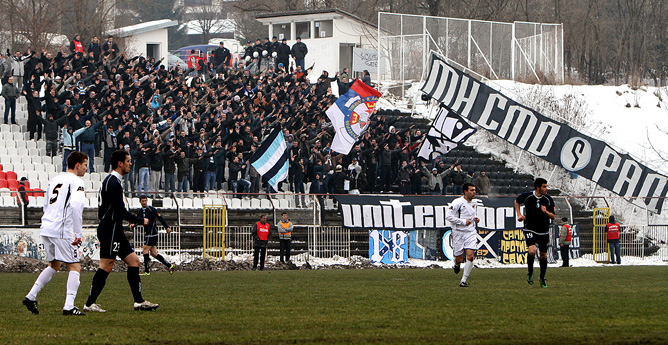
462	214
61	231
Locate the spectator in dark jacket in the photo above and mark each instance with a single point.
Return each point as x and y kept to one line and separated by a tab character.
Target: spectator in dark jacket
299	51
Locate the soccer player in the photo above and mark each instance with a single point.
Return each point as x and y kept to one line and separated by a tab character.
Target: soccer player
539	208
113	243
462	214
61	231
151	235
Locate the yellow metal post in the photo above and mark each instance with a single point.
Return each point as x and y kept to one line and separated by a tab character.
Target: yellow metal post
600	248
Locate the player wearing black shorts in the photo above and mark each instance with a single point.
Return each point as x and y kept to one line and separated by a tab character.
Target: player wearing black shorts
113	242
539	209
151	235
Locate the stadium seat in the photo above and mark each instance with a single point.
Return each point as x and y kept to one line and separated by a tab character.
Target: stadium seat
7	136
265	204
88	185
26	160
33	176
168	203
5	128
39	201
2	167
3	183
31	145
245	203
52	175
228	202
329	204
283	204
43	176
96	185
18	137
22	151
207	201
187	203
19	169
3	175
3	152
50	168
255	203
37	153
8	200
37	167
10	144
11	175
236	203
197	203
41	144
95	176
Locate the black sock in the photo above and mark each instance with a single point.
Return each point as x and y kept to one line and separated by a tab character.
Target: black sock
147	262
135	284
99	279
543	267
530	262
162	259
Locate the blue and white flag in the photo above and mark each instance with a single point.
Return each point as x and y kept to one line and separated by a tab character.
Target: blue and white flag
271	158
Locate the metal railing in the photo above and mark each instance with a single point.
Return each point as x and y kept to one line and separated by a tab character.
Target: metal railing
168	243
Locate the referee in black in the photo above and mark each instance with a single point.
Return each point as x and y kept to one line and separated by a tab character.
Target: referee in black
539	208
113	242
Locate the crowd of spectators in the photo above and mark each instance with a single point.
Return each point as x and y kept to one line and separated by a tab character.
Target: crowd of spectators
184	127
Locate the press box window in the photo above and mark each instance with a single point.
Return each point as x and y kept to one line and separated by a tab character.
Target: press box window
324	28
303	30
282	31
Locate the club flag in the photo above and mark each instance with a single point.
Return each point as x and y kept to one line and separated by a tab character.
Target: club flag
446	132
351	115
271	158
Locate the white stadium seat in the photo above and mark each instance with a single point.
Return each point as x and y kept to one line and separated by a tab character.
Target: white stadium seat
41	144
265	204
22	151
50	168
14	158
43	176
236	203
10	144
21	144
8	200
255	203
197	203
207	201
37	153
186	203
283	204
7	136
167	203
52	175
18	168
7	166
38	167
245	203
5	128
33	177
31	145
26	160
39	201
18	136
3	152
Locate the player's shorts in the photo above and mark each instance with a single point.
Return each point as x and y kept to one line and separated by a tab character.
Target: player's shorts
462	240
60	249
534	239
151	240
113	242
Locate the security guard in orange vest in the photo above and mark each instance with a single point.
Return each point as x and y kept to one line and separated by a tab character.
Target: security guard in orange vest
285	227
565	237
261	235
612	228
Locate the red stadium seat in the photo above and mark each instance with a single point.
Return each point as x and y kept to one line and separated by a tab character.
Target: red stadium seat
4	184
13	184
3	175
27	183
29	192
11	176
37	192
0	167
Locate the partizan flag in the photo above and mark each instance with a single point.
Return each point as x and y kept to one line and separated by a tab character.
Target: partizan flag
271	158
351	114
446	132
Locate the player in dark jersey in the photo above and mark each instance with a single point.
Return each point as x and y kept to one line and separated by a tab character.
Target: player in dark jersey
151	235
539	209
112	212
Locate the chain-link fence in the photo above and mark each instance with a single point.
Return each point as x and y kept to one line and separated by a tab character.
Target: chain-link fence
492	50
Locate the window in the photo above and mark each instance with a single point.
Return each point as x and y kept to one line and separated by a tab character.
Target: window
324	28
197	2
282	31
303	30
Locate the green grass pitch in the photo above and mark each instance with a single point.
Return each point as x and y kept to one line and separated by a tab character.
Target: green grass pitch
376	306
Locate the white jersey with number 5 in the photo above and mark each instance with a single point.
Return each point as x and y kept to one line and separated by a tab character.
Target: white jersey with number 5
63	207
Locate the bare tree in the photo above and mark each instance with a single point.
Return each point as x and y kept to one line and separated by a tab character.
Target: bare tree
31	21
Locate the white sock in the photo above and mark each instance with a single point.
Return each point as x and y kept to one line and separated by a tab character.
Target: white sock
43	279
468	267
72	288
